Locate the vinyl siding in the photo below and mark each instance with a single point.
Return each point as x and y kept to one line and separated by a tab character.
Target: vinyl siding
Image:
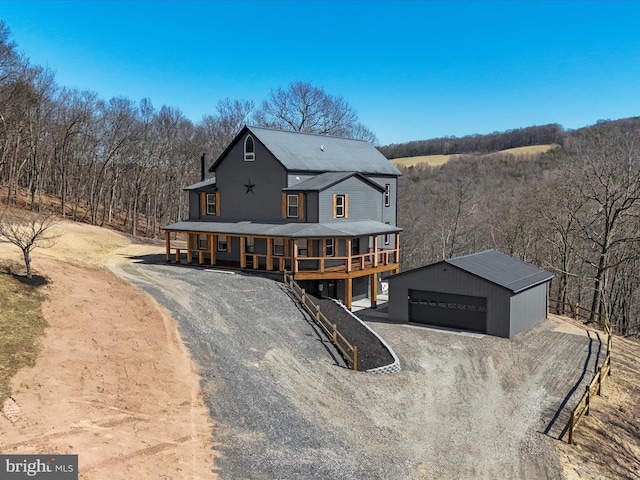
365	202
265	172
390	213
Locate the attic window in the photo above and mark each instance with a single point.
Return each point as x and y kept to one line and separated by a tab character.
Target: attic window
249	149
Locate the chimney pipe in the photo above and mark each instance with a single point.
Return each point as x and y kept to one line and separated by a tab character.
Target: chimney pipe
203	168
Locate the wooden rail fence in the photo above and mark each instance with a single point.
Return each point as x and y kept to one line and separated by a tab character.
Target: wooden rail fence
575	311
348	351
603	371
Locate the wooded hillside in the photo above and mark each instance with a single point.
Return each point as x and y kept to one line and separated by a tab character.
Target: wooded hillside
574	211
492	142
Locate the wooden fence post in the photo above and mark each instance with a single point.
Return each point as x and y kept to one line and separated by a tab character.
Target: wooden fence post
335	333
587	400
355	357
571	426
318	313
599	376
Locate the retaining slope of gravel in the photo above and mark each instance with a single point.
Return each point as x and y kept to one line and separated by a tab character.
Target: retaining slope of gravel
284	406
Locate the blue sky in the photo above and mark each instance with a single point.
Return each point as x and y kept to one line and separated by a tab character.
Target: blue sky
412	69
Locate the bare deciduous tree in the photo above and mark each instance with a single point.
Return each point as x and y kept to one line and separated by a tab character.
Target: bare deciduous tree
606	166
28	231
308	109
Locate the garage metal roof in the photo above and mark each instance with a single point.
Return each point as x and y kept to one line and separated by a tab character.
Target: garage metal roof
335	229
501	269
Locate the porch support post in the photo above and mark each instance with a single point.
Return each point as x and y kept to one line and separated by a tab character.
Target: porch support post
348	293
375	251
269	253
243	260
167	242
396	256
294	267
348	252
213	240
373	279
188	247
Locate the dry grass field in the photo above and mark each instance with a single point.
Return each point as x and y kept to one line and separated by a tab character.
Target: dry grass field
524	153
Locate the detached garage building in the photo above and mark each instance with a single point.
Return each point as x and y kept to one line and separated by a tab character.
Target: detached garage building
486	292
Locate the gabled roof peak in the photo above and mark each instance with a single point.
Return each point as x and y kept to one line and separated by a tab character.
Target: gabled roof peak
312	152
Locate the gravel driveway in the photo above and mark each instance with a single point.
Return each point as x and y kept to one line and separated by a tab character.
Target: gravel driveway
284	406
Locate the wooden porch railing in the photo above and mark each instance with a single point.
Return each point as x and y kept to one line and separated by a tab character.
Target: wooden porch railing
359	261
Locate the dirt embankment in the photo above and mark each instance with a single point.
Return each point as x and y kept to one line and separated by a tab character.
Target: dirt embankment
607	442
113	382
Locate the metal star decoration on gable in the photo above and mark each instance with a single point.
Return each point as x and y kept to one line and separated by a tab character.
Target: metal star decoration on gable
249	186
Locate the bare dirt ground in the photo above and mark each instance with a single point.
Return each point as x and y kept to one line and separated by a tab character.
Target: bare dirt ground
113	382
607	442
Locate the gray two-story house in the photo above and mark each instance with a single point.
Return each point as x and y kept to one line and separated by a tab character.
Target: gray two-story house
321	208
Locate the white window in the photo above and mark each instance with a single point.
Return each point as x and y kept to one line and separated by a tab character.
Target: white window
211	203
355	246
387	195
203	241
292	206
278	246
250	246
329	246
249	149
340	204
222	244
302	248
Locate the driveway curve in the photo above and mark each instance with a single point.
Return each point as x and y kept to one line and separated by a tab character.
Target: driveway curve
284	406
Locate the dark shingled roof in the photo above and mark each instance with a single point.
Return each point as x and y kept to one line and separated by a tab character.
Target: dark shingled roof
309	152
501	269
332	229
211	182
325	180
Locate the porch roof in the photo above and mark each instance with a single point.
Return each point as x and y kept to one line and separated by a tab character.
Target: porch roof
333	229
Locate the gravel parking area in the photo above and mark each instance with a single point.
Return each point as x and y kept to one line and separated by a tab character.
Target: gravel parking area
285	407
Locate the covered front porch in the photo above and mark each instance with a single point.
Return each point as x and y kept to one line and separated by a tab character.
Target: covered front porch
318	258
